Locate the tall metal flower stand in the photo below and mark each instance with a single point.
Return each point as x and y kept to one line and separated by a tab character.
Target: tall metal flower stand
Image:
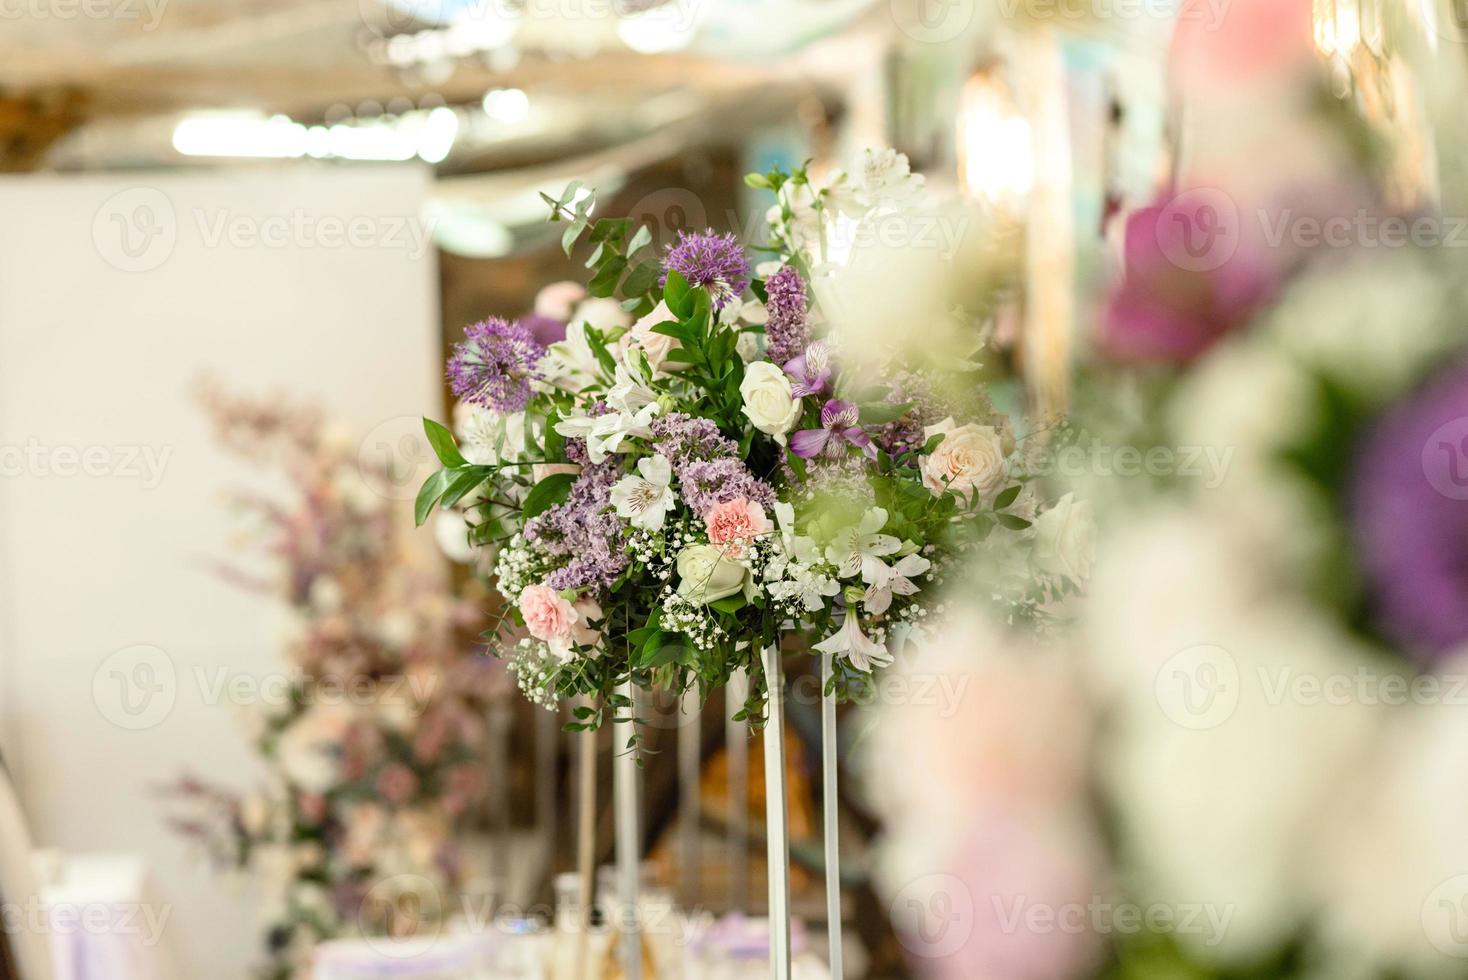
629	837
776	817
831	808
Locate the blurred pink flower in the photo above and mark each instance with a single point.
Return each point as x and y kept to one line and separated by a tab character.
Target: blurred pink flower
397	784
1187	281
1019	906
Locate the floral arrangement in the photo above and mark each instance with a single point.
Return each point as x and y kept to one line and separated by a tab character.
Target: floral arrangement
1243	760
684	470
373	738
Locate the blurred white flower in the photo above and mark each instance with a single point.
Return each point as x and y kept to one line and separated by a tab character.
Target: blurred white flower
1065	539
860	650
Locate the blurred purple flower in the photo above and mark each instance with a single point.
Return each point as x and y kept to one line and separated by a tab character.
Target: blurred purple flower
495	364
546	330
786	331
1409	507
839	424
715	262
1175	301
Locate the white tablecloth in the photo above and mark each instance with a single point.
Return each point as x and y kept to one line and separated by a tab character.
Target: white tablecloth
102	923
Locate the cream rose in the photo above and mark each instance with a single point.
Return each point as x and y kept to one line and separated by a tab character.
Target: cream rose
970	458
656	346
707	576
1065	539
768	400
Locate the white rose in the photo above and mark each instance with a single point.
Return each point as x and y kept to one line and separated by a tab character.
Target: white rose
768	401
707	576
1065	539
656	346
970	458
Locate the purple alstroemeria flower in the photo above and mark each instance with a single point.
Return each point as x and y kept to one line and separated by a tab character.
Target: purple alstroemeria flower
838	425
811	371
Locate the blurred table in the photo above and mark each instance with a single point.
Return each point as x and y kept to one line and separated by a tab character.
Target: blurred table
102	923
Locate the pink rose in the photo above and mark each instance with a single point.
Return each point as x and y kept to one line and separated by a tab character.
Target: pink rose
547	614
733	522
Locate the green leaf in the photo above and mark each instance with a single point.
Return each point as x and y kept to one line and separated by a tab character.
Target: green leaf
729	604
1012	522
611	230
546	494
676	294
442	441
433	488
463	481
643	279
604	283
569	236
641	240
932	443
598	345
569	194
882	414
1007	497
759	182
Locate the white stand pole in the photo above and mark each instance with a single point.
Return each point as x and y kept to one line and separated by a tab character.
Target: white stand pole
547	742
690	765
736	734
629	838
776	818
585	845
831	807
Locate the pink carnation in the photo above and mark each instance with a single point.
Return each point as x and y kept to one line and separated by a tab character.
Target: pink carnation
733	522
547	614
397	784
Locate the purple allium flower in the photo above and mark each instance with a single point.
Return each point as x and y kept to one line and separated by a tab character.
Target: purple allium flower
684	439
1409	509
1165	311
840	426
715	262
584	530
703	484
786	330
495	364
811	371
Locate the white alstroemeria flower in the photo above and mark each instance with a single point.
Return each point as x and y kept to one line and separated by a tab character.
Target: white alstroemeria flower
630	391
884	183
604	434
858	547
860	650
486	437
889	580
570	364
644	501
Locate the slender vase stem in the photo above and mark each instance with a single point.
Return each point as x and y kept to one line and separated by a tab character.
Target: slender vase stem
629	837
831	808
585	845
776	818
